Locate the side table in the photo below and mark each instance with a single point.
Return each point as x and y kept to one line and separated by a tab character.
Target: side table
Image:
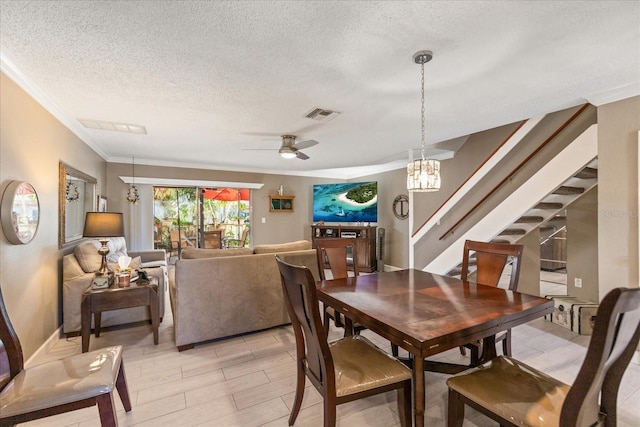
114	298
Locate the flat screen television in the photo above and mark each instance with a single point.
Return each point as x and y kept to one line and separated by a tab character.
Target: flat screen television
346	202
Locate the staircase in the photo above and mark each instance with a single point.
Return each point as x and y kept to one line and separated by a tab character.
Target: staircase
543	213
552	204
548	192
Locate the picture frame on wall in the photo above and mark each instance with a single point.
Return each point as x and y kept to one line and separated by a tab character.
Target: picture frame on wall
102	204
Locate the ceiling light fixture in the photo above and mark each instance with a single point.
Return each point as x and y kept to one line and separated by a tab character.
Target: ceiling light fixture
132	194
423	175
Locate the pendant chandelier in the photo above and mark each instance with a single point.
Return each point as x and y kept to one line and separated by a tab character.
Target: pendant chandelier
423	175
132	194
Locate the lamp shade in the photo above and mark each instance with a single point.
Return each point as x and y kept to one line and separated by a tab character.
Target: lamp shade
103	224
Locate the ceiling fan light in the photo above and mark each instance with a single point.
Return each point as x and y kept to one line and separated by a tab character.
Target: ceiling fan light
288	152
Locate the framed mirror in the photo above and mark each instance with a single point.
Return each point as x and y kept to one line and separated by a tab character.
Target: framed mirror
76	197
20	212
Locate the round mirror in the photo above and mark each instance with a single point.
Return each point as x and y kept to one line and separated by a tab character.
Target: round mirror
20	212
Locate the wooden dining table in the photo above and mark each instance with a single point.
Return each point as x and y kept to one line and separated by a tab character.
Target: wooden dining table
426	314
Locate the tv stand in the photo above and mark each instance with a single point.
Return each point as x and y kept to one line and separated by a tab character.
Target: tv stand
365	239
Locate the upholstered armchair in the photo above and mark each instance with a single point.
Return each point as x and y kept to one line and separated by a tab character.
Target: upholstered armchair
78	269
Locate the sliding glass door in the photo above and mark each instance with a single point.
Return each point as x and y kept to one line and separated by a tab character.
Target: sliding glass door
200	217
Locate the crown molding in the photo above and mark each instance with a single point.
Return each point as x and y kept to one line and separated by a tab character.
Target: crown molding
11	69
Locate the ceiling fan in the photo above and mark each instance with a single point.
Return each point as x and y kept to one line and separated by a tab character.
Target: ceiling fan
289	149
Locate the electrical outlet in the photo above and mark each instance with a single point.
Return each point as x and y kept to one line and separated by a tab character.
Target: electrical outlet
264	220
577	282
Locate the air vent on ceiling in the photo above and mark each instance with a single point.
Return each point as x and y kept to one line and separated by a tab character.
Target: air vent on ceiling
113	126
321	114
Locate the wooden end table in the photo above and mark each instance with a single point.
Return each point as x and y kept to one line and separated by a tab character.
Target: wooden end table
114	298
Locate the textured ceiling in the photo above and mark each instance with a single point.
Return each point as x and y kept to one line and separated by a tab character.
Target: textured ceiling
209	80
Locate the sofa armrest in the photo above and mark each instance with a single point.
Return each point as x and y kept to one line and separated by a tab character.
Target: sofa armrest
149	256
72	291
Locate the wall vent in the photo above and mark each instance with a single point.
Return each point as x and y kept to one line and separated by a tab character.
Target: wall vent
322	114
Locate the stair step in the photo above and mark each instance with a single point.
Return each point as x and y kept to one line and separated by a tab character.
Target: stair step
530	219
566	191
513	232
548	228
587	173
548	205
500	241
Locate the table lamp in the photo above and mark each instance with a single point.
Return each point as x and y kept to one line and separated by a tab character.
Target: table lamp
103	225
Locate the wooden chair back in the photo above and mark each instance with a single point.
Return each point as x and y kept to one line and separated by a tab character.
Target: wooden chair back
301	299
11	356
340	254
615	338
491	260
513	393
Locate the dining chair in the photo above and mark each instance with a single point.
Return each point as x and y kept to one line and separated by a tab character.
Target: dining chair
344	370
513	393
340	255
60	386
490	261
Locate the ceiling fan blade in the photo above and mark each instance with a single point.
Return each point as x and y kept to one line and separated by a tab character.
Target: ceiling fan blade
301	155
305	144
259	149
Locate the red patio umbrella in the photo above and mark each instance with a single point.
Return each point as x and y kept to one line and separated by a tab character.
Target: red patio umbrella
227	194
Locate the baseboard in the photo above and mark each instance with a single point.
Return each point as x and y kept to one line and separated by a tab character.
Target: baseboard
44	348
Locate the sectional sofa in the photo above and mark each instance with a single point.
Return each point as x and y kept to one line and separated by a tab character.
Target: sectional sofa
217	293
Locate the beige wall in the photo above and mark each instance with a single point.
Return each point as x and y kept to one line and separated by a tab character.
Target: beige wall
32	142
618	125
582	247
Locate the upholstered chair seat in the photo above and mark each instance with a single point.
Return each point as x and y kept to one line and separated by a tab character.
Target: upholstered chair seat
65	385
353	358
61	382
515	394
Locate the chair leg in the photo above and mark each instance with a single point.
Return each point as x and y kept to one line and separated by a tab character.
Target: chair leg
463	351
329	412
404	404
107	410
123	390
297	402
394	350
506	344
475	356
327	319
455	410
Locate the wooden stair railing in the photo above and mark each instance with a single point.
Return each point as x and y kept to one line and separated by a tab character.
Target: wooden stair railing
510	175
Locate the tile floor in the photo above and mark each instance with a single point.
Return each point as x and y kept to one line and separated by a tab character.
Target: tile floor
250	380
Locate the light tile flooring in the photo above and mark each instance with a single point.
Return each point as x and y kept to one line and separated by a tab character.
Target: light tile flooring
250	380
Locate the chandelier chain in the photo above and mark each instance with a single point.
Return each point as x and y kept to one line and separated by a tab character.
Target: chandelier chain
422	101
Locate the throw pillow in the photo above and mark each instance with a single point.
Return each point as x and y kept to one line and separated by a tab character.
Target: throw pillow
87	255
